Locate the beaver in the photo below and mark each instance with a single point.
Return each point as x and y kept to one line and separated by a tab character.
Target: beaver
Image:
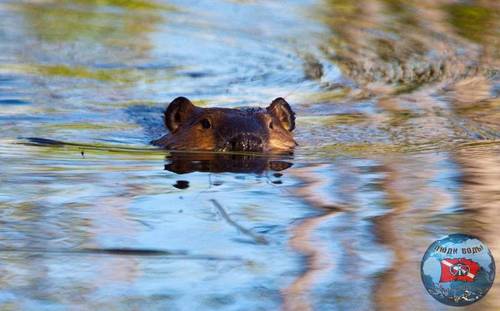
265	130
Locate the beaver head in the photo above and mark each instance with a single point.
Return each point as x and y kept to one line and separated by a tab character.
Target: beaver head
266	130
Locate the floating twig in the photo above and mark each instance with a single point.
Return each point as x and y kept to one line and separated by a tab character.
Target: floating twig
257	238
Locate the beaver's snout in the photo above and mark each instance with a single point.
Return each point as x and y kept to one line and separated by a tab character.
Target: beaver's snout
245	142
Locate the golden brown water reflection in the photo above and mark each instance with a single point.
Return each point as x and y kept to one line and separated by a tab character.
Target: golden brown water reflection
398	126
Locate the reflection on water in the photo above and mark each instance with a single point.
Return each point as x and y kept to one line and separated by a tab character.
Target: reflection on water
398	129
184	162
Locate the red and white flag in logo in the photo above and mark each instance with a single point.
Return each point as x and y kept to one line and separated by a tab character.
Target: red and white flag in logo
458	269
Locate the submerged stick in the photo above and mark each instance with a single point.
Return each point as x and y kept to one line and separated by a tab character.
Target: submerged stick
257	238
118	252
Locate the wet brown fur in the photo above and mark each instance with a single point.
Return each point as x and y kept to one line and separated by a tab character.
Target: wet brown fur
267	130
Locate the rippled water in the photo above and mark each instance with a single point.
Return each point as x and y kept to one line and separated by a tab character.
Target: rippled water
399	132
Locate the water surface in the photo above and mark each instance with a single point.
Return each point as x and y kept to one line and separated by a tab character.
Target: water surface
398	125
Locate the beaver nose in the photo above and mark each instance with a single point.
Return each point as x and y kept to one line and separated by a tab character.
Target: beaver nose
246	142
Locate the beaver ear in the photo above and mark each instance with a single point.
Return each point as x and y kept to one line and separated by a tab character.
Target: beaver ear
282	111
178	112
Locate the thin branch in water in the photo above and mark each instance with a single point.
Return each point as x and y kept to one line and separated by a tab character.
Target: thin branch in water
257	238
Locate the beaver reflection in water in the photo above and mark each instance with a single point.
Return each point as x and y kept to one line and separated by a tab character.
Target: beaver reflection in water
267	130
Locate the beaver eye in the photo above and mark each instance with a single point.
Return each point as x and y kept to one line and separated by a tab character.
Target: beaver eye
271	126
206	123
